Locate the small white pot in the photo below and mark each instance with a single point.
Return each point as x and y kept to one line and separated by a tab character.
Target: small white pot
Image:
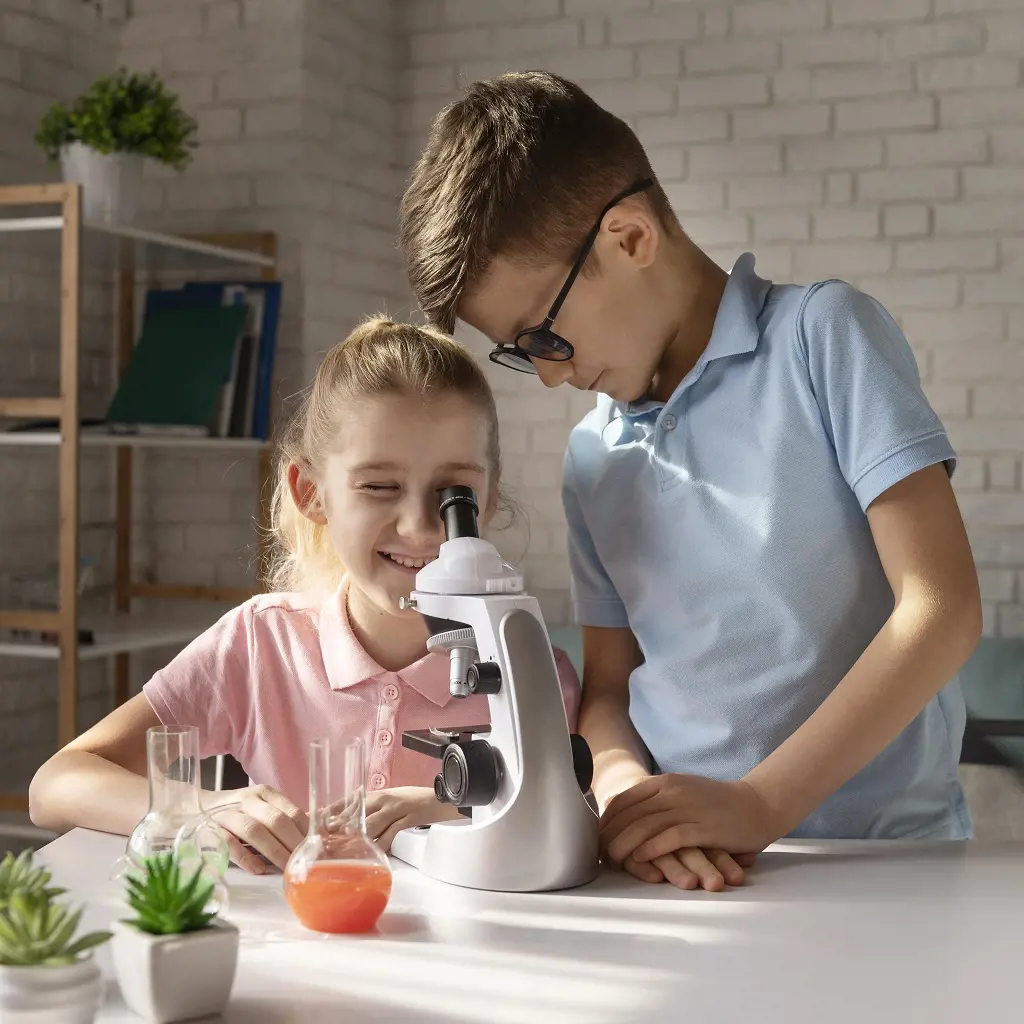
166	978
51	995
110	182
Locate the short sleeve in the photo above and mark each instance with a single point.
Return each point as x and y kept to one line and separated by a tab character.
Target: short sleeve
570	683
595	600
868	389
208	685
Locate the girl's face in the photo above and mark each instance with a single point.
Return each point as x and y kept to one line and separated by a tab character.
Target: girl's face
379	487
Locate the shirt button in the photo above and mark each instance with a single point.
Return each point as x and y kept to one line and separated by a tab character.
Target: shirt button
391	692
384	738
378	781
669	423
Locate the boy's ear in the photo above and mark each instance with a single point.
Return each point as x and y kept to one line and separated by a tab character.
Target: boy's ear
632	230
305	495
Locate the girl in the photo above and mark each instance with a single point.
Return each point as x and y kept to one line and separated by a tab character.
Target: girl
394	413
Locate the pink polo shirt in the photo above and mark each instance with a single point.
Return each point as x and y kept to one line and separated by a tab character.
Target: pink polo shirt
278	671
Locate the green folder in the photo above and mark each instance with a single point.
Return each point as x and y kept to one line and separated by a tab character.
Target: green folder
179	368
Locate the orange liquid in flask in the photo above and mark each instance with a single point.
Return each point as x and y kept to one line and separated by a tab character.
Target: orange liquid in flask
340	896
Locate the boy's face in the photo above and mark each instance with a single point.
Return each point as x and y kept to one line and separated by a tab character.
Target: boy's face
614	316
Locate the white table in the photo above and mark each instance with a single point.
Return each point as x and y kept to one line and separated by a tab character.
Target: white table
823	933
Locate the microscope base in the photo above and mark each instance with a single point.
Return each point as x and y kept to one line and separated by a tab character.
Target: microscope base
436	856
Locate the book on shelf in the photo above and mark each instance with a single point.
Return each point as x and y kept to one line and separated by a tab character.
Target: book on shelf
180	370
244	406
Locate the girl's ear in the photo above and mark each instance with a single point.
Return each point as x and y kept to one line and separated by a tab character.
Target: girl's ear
304	494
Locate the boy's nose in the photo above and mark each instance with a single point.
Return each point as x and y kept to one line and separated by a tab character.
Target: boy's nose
552	373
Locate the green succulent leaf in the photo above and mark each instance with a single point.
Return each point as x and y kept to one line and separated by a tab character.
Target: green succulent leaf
128	112
34	929
167	901
20	874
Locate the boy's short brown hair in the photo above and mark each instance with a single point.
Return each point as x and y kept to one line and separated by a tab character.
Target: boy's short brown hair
519	166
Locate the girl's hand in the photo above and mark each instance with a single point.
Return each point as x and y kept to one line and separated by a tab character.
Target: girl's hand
390	810
267	825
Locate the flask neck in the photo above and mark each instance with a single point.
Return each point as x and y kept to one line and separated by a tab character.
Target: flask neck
173	771
337	795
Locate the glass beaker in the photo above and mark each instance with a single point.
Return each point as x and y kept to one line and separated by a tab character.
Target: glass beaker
336	880
172	753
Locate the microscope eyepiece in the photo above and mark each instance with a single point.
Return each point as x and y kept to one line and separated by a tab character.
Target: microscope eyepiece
459	510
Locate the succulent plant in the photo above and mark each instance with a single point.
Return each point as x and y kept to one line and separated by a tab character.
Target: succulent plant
165	901
19	874
36	931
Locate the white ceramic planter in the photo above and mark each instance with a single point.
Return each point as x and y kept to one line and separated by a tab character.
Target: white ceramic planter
110	182
51	995
167	978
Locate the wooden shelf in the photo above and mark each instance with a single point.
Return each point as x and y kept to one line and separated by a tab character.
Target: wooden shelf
124	634
127	256
90	439
197	246
26	408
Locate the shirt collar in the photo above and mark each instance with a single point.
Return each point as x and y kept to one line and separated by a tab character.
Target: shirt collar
347	663
735	330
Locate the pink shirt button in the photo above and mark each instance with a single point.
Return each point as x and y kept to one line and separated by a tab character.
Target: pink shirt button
378	781
391	692
384	738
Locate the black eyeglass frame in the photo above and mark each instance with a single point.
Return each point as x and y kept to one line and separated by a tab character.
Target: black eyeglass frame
517	356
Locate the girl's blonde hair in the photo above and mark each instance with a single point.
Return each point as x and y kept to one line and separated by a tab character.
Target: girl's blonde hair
379	357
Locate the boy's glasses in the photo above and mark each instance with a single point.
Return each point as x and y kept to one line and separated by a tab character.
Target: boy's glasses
541	342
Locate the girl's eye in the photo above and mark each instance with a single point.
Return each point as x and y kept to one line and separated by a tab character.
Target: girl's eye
379	488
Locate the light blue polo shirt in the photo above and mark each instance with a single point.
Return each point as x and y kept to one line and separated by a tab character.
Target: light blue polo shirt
727	529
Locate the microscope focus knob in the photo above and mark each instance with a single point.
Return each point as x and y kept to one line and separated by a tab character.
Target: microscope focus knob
470	774
484	677
582	761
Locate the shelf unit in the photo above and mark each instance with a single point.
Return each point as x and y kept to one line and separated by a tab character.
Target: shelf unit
120	632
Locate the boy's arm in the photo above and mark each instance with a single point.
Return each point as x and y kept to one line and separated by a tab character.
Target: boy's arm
932	630
934	626
620	757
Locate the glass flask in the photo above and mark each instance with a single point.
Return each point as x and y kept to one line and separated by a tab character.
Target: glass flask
336	880
174	810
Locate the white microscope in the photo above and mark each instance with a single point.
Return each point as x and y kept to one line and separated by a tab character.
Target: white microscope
529	821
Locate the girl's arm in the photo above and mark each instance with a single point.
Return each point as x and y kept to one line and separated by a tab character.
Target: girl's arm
98	781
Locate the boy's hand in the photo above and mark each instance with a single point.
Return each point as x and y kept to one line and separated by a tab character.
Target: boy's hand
390	810
268	825
669	813
693	868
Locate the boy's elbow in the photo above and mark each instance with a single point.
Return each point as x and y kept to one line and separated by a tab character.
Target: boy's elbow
962	624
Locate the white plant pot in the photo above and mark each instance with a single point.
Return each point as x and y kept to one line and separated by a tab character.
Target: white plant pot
110	182
167	978
51	995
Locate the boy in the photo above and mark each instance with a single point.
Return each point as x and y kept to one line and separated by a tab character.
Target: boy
771	572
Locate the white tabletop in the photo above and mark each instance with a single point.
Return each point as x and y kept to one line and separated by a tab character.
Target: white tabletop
824	933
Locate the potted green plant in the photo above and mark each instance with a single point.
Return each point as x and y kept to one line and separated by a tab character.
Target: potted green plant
46	973
102	138
175	960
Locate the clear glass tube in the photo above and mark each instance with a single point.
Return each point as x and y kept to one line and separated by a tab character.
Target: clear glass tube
172	754
336	880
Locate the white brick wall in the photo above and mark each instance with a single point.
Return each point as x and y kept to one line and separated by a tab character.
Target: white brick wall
879	140
48	50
